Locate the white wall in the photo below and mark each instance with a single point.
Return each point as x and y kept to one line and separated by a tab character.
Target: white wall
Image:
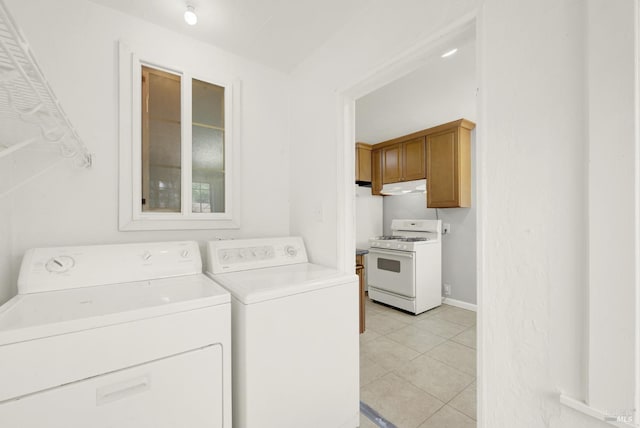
442	90
74	42
612	160
534	168
7	288
368	216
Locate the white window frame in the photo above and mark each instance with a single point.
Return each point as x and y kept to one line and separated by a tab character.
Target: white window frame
131	216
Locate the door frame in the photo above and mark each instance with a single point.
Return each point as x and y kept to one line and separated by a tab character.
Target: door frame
394	69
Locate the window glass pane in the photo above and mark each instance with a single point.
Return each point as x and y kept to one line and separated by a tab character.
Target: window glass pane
208	148
161	141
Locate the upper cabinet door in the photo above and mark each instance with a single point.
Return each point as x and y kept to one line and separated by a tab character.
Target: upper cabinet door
414	159
392	164
376	172
449	169
363	162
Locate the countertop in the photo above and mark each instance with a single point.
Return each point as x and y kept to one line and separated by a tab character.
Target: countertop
360	252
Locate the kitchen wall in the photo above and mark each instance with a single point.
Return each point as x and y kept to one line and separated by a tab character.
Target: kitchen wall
75	43
368	216
458	247
442	90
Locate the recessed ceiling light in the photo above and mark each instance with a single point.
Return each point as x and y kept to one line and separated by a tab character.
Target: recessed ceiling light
449	53
190	15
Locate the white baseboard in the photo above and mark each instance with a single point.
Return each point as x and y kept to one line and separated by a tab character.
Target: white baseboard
460	304
581	406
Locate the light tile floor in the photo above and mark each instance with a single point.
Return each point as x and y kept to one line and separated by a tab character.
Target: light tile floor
419	371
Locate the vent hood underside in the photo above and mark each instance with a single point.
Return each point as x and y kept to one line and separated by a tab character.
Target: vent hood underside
404	187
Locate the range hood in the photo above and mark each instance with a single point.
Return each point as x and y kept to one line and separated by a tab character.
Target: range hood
404	187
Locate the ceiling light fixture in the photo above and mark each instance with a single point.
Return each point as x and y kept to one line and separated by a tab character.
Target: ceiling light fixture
190	15
449	53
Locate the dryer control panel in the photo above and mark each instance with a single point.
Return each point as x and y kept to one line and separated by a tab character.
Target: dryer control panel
246	254
58	268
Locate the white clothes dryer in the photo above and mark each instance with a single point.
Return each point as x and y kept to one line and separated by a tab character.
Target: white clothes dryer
129	335
294	335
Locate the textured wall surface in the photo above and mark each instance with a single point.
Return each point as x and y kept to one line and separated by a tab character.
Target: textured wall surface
75	43
534	169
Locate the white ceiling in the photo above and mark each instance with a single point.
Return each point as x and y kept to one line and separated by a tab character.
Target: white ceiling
440	91
277	33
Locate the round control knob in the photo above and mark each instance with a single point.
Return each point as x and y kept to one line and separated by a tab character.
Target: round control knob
146	256
184	253
60	264
290	251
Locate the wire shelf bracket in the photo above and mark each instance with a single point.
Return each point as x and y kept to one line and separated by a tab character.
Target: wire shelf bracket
29	110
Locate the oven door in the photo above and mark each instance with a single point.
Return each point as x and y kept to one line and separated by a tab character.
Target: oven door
392	271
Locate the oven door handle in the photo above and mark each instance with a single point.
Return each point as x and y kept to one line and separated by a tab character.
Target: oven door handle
405	254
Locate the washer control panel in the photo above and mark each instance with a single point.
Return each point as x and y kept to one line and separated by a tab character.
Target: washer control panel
47	269
245	254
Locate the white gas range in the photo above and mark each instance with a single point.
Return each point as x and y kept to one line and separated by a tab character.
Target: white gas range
404	269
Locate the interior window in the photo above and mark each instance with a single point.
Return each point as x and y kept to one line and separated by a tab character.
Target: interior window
161	141
176	148
208	146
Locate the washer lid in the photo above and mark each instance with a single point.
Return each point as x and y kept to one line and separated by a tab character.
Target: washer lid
31	316
258	285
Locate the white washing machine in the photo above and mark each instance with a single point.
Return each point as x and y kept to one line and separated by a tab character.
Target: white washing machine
294	335
127	336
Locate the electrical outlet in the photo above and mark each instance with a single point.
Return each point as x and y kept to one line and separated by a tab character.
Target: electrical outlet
446	228
447	289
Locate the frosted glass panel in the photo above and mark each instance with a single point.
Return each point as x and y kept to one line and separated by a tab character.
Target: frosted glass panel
161	141
208	148
208	104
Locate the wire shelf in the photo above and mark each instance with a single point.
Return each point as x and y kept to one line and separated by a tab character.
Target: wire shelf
29	110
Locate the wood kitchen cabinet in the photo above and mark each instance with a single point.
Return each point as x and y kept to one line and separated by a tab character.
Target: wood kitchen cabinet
403	161
392	164
448	156
363	163
376	171
360	273
413	159
441	154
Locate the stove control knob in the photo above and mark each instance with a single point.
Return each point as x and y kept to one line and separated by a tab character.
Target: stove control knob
146	256
184	254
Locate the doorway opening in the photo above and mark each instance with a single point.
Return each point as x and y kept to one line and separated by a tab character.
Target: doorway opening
416	91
